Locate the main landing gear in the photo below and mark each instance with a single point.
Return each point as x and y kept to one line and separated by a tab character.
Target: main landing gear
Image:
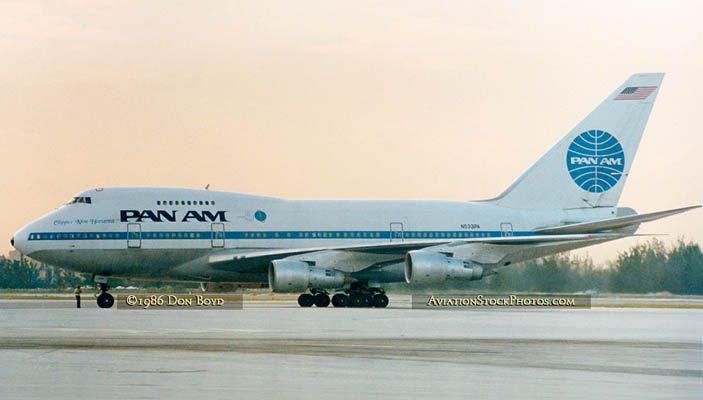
358	296
319	298
105	299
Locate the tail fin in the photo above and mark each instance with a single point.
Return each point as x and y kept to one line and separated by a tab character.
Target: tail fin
589	166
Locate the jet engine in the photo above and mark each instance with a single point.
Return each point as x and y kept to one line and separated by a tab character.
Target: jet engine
428	267
297	276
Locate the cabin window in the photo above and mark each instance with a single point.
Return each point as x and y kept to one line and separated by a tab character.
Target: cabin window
81	199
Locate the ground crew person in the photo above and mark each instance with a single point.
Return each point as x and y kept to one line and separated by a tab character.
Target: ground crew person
78	292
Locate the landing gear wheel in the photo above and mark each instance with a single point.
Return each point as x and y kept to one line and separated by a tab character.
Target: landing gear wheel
306	300
380	301
356	301
361	300
340	300
105	300
322	300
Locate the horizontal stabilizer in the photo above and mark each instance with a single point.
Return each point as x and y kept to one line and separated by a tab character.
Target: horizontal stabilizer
612	223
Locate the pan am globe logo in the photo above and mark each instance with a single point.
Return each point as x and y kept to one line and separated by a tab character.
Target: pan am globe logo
595	161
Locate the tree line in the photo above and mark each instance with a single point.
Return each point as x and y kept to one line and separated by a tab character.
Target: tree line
644	268
28	274
649	267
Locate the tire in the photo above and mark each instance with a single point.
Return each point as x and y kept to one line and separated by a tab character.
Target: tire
105	300
357	301
340	300
367	300
306	300
380	301
322	300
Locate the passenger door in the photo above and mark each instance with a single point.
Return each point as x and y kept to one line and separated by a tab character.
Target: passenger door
506	229
396	231
134	236
217	235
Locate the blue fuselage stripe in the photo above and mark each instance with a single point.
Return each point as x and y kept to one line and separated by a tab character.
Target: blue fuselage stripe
258	235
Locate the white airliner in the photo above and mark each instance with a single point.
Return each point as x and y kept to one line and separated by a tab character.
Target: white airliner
566	200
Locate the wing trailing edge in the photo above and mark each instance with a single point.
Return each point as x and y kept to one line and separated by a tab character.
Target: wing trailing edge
612	223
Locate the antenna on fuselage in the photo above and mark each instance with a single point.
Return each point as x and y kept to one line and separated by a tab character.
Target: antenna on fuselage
207	186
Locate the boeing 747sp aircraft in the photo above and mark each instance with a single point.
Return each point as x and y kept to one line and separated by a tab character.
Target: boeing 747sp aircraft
566	200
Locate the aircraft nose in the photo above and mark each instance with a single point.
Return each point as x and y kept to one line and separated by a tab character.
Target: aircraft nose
19	241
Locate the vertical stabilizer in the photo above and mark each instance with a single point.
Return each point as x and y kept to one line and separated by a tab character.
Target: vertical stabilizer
589	166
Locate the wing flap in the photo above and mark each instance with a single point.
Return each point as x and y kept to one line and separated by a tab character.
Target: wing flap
612	223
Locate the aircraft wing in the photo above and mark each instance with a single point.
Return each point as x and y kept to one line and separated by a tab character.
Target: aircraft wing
490	250
257	261
612	223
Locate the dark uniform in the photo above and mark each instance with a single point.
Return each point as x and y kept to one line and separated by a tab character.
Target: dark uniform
78	292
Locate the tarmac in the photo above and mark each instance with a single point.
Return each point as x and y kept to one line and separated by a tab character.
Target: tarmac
274	349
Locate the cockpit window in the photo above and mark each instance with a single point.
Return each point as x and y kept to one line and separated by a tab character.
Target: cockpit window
81	199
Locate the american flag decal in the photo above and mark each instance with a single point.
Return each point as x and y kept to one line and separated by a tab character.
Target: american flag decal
635	93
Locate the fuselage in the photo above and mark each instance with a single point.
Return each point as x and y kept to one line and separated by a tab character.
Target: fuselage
150	232
564	201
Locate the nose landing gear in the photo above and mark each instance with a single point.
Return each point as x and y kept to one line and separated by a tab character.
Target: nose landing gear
105	299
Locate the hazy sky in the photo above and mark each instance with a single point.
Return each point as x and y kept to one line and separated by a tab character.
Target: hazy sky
331	99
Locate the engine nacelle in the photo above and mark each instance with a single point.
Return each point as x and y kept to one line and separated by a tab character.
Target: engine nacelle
429	267
288	276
